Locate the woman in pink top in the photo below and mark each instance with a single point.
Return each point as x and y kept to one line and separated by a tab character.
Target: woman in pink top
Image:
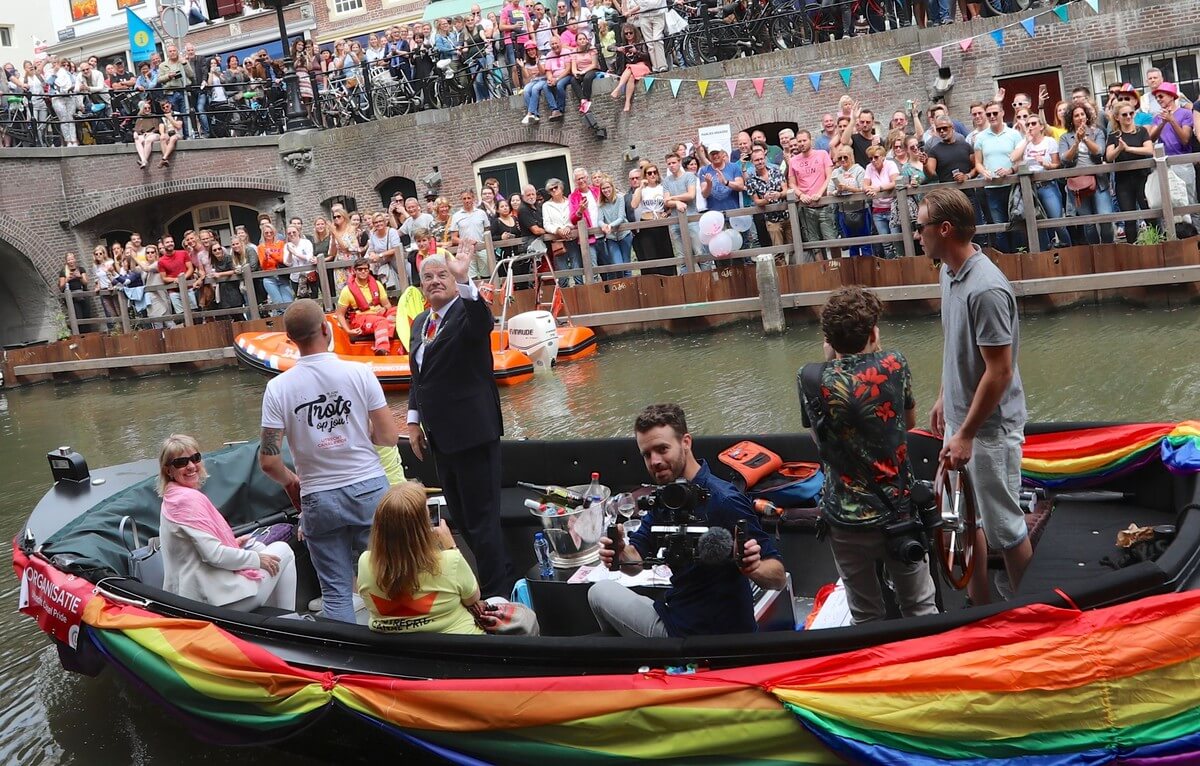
879	181
584	69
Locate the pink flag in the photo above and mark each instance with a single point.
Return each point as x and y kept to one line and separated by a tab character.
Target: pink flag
966	44
937	54
732	85
758	85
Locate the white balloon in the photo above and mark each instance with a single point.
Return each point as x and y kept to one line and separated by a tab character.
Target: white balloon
735	239
711	223
706	236
720	245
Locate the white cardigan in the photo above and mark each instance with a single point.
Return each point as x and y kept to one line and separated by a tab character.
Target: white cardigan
198	566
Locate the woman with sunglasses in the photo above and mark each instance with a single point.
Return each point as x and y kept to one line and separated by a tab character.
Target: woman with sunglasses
1127	143
1083	146
879	181
633	62
649	204
271	256
1040	152
202	559
343	242
229	293
847	179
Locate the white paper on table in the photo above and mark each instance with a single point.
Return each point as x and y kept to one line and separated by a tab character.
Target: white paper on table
658	575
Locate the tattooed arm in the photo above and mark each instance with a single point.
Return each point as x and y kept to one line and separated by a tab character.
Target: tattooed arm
270	459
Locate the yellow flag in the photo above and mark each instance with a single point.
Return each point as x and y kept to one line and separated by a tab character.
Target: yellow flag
905	64
703	86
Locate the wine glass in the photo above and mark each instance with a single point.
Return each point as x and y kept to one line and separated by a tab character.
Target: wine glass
626	511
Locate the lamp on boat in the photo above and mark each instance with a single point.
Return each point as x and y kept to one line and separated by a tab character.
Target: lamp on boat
68	465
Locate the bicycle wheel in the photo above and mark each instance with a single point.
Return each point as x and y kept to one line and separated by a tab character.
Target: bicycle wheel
382	100
1000	7
498	86
824	25
876	15
49	134
782	33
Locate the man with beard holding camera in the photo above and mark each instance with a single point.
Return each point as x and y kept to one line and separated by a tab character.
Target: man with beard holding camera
711	594
860	405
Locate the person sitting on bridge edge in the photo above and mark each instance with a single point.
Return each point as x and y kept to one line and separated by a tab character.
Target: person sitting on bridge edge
706	598
363	308
862	434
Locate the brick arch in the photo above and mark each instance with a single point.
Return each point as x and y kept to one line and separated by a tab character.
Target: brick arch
17	234
28	298
396	170
108	201
752	117
543	134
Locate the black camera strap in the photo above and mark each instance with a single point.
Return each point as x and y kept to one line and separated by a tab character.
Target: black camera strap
817	410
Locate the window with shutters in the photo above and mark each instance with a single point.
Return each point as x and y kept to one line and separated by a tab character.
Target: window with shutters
341	7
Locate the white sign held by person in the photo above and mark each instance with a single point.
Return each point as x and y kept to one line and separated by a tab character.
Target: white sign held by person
717	137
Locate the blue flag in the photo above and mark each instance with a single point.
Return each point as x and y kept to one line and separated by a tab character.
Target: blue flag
141	37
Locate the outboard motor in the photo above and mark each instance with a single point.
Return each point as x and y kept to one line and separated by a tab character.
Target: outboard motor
68	465
535	334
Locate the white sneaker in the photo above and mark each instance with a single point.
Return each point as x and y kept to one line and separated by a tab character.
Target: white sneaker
526	119
316	604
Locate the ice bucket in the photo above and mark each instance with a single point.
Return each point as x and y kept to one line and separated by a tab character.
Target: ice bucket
574	536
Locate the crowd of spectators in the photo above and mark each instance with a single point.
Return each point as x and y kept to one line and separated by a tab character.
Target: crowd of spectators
542	49
843	178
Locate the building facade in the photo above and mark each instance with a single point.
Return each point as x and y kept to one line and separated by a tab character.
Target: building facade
94	193
25	29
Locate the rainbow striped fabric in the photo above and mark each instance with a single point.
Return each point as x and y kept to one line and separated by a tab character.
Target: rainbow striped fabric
1090	456
1036	685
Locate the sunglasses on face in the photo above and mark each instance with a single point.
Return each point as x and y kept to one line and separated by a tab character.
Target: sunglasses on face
338	216
944	129
992	114
181	462
1125	114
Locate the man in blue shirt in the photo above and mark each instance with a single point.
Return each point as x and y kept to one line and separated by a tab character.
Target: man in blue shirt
705	598
994	147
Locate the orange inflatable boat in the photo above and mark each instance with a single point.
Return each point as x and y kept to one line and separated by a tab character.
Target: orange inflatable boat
272	353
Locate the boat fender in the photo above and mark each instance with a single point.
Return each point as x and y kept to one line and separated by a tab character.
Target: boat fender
753	462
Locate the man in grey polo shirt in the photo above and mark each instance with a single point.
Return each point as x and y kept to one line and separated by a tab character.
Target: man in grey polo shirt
980	410
681	187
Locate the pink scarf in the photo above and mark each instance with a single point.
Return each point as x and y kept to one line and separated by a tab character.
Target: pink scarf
189	507
580	208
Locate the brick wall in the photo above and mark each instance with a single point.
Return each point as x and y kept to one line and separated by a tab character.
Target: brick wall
376	15
53	200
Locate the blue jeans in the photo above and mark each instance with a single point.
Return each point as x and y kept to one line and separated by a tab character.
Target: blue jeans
854	224
1096	204
938	11
699	249
179	105
997	208
573	259
202	111
483	70
882	226
560	90
279	290
177	302
337	525
533	91
1052	200
611	252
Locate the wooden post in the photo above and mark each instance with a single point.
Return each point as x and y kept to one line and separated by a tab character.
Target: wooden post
72	321
1024	178
183	300
251	296
490	248
123	309
906	232
585	253
685	241
797	231
325	282
768	294
1161	169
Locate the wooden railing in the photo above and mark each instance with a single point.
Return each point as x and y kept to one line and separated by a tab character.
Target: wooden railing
798	251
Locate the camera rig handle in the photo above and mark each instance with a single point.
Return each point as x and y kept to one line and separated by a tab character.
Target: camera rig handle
741	532
618	545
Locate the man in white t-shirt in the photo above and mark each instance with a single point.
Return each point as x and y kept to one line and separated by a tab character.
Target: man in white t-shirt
469	224
332	413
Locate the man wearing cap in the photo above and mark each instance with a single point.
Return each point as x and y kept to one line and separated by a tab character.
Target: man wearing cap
1173	126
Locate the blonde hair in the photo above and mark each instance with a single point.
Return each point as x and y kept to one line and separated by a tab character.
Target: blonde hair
403	545
175	445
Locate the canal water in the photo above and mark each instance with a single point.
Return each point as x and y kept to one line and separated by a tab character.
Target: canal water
1095	364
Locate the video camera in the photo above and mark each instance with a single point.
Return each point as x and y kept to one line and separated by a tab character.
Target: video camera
682	538
906	536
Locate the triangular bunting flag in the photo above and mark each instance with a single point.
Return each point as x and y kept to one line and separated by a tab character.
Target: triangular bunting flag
732	85
937	55
1062	12
648	81
1028	25
703	86
905	63
814	79
1095	5
758	85
675	87
998	36
966	44
789	82
845	73
876	67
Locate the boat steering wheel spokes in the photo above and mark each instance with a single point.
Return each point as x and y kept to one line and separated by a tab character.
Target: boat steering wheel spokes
955	541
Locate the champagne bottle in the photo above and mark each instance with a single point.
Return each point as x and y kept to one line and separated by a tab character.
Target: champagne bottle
552	493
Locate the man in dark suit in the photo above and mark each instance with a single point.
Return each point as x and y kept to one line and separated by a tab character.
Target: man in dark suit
454	409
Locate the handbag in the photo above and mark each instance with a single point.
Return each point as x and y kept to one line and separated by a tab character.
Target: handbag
1082	186
558	248
145	561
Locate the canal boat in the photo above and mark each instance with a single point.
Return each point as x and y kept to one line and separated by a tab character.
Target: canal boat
1095	660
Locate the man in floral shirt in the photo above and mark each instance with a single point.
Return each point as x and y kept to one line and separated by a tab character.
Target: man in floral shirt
766	186
860	406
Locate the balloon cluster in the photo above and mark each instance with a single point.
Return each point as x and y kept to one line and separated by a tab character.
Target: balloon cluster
721	241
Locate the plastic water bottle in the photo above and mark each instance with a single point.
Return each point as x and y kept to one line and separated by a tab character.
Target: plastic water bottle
541	549
594	495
